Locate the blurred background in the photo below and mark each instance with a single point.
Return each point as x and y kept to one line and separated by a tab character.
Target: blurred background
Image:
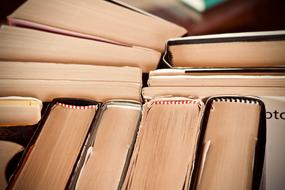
219	16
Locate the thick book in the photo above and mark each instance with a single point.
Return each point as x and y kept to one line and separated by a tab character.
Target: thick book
80	144
232	144
49	159
249	49
22	44
47	81
112	21
109	147
166	145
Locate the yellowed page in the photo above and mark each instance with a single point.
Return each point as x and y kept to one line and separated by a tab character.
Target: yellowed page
51	160
233	54
103	19
165	147
47	90
232	129
204	91
20	44
114	136
19	111
218	80
47	81
74	72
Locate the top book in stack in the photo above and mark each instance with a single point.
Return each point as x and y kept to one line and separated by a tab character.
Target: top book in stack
109	21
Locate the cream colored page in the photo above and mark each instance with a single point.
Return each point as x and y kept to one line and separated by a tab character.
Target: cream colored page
165	147
232	130
55	151
47	90
114	136
235	54
53	80
17	111
20	44
19	115
103	19
151	92
217	80
74	72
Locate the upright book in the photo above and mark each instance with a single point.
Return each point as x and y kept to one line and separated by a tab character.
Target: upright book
232	139
50	158
166	145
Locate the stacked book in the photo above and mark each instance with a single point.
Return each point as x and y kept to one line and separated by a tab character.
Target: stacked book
74	69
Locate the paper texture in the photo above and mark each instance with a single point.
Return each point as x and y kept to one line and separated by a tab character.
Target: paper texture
232	130
166	144
115	133
51	159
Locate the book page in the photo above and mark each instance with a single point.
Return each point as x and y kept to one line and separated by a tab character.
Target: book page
231	54
232	130
19	111
108	20
47	81
166	145
218	80
39	46
51	159
74	72
105	165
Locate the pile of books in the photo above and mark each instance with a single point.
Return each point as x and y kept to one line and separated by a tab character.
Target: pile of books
76	69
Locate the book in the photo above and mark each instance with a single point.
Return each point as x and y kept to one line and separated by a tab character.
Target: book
188	78
19	111
249	49
47	81
111	146
166	145
113	21
7	151
49	160
27	45
267	83
187	82
231	144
